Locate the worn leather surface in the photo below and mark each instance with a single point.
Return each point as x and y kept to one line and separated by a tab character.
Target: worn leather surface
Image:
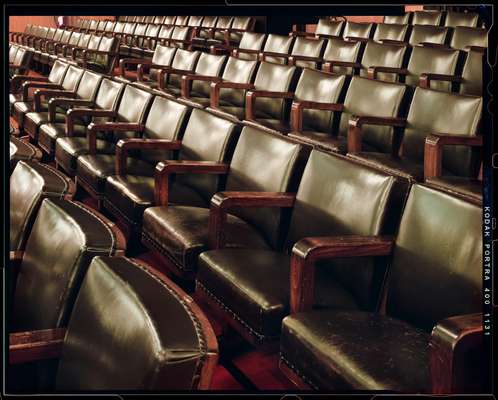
390	31
472	75
24	151
278	44
432	256
428	33
240	71
321	140
328	27
397	19
64	239
362	98
382	55
30	183
185	60
464	36
432	112
307	47
426	17
251	41
357	29
456	19
354	350
211	65
402	166
431	60
130	313
467	187
49	132
342	50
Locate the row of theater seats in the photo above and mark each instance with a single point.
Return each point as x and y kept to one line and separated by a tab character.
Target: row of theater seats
384	124
376	241
75	300
19	60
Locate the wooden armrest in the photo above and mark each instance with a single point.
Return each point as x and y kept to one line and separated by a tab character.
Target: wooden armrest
65	101
127	61
74	113
216	86
93	128
166	168
237	51
170	70
426	78
263	54
478	49
330	64
252	95
186	79
356	124
124	145
308	251
392	41
450	338
298	107
17	80
435	45
433	150
292	59
356	39
301	33
224	201
37	96
374	70
29	85
35	345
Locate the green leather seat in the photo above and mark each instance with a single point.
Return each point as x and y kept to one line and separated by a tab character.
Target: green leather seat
362	99
180	233
253	285
277	44
342	51
204	137
251	41
24	151
145	44
428	34
390	32
426	17
30	183
435	274
432	111
162	57
455	19
358	30
64	239
107	98
383	55
240	26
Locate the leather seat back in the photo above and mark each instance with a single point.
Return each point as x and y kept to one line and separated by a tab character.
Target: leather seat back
84	40
58	35
432	111
66	35
152	32
163	55
240	71
182	20
464	36
428	34
194	21
89	85
166	31
101	25
383	55
363	98
427	17
132	343
342	50
12	53
278	44
166	120
119	27
438	252
251	41
320	87
432	60
72	78
243	24
307	47
133	107
185	60
109	26
93	25
278	78
159	19
94	42
64	239
223	22
390	32
357	30
180	33
472	77
269	163
30	183
140	31
455	19
340	197
211	65
110	47
75	38
207	138
109	94
398	19
327	27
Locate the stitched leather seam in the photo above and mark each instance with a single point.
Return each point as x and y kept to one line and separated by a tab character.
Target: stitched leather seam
150	239
298	372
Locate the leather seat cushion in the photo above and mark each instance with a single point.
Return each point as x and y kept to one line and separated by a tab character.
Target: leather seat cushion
239	279
39	118
322	140
24	151
344	350
181	233
51	131
386	162
94	169
274	124
68	149
130	195
466	187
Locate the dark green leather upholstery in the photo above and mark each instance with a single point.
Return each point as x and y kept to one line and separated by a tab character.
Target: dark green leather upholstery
107	98
184	60
428	34
432	111
427	17
278	44
251	41
357	30
254	284
327	27
464	36
180	233
130	194
390	31
391	352
342	50
472	76
382	55
163	55
456	19
64	239
30	183
124	315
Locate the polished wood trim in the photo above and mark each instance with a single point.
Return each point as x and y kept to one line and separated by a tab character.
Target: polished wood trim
297	108
216	86
252	95
93	128
426	78
39	94
65	101
187	79
356	124
372	71
74	113
307	251
35	345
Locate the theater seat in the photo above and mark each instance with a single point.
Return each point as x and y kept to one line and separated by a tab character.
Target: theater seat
104	58
426	17
75	124
198	136
358	31
169	78
342	56
428	114
64	239
124	313
455	19
423	34
416	345
23	151
180	233
391	33
383	56
250	45
251	287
